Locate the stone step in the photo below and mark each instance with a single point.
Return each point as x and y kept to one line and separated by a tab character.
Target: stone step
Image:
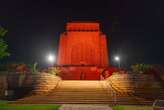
70	97
77	90
84	92
88	102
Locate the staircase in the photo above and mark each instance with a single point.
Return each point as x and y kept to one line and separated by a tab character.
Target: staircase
85	92
74	92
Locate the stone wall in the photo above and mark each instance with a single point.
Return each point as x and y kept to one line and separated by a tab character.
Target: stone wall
143	85
136	81
26	84
3	85
45	83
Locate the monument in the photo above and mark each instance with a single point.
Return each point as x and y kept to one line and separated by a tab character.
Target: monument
82	50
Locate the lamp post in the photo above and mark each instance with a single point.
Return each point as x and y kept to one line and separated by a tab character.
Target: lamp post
117	59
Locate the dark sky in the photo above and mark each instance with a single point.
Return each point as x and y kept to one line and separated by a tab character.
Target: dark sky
135	28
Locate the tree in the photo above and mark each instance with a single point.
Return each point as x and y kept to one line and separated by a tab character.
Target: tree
3	44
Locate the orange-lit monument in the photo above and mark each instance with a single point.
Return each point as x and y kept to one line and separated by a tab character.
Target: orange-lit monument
83	45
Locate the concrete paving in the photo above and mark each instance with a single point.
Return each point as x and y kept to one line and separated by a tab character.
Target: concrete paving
84	107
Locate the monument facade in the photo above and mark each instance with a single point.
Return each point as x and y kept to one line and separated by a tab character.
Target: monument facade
83	45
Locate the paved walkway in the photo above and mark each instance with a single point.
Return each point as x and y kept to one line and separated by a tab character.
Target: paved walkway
84	107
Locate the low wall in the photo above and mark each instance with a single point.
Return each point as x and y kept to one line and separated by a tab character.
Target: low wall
143	85
26	84
3	85
45	83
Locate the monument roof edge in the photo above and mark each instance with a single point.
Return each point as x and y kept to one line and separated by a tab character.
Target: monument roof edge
84	21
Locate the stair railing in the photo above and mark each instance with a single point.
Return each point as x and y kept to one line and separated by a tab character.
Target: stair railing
111	92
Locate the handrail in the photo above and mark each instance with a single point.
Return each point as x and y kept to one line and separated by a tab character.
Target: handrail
112	92
57	84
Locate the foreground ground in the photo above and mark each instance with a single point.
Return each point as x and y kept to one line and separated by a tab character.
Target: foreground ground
5	106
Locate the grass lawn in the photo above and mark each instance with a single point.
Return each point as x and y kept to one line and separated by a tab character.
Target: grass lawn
5	106
132	107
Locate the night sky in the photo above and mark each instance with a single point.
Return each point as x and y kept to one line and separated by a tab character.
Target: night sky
135	28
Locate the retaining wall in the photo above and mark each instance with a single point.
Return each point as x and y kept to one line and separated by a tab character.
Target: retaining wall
143	85
27	84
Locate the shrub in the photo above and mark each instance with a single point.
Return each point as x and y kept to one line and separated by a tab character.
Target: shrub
54	70
140	68
116	73
21	68
14	67
33	68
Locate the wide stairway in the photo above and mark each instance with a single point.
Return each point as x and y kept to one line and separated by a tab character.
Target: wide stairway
84	92
75	92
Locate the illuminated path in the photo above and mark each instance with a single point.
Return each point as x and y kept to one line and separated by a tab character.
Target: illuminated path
83	92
